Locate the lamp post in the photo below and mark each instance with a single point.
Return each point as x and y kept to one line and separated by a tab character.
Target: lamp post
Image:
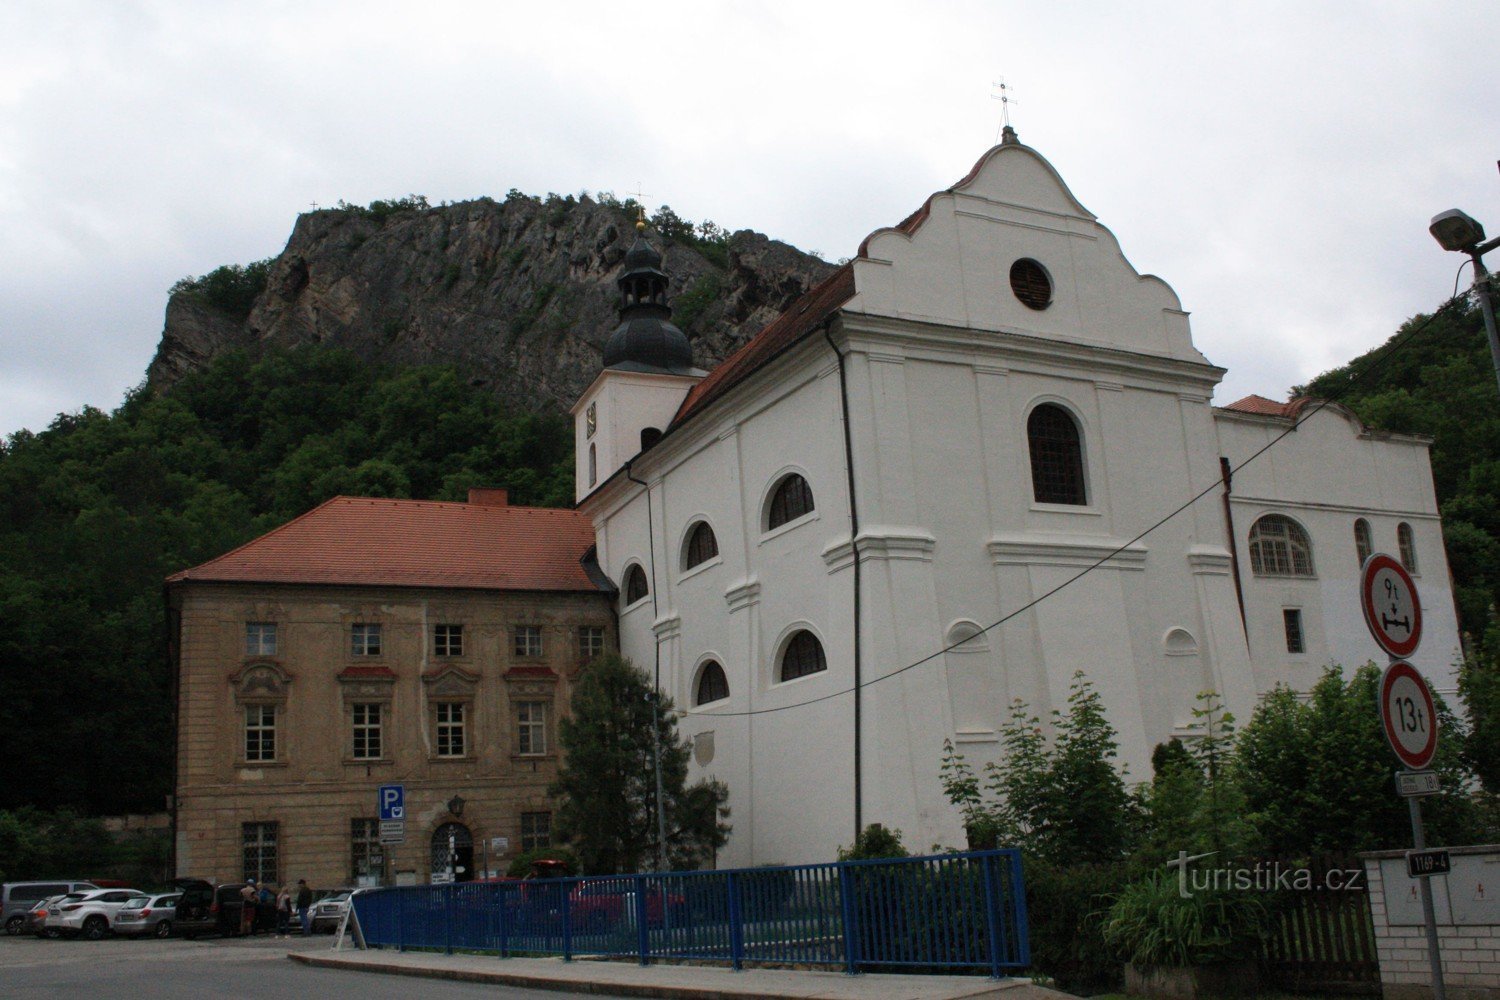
1458	232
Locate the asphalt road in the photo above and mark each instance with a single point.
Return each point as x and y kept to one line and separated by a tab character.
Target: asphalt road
210	969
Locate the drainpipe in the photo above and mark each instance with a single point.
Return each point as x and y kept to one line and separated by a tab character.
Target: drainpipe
859	797
1226	475
661	815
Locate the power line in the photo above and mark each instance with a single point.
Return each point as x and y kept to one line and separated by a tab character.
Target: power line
1353	381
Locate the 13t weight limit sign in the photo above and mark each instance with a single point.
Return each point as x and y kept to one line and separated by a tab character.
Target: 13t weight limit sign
1406	710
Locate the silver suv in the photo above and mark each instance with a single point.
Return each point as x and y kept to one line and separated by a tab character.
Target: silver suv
17	898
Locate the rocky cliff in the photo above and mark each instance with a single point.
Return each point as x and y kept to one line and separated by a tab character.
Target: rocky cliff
518	293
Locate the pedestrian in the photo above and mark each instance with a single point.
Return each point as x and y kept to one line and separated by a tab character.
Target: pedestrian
304	906
283	911
247	908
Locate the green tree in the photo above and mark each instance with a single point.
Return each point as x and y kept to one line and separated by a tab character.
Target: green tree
608	812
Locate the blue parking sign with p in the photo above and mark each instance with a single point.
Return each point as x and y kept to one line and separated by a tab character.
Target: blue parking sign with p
392	805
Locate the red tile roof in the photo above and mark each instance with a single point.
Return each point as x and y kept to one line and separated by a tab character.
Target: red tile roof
415	543
1261	406
801	318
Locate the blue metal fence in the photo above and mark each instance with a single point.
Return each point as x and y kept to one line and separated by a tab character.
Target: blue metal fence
946	911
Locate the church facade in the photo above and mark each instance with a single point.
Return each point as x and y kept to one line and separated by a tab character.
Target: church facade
942	482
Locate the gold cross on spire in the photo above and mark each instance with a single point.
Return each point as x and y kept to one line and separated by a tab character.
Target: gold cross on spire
640	200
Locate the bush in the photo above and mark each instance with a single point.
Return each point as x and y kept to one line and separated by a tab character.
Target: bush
875	842
1152	923
231	289
1064	906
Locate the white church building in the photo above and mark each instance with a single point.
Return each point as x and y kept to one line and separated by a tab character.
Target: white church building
973	421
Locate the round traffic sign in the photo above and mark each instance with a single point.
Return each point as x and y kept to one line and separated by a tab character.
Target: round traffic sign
1406	710
1389	600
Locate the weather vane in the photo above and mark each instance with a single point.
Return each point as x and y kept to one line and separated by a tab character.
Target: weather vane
1001	92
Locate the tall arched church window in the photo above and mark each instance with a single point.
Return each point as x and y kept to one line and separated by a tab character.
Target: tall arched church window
1363	545
635	585
1280	547
792	499
802	656
1408	546
712	684
701	547
1056	456
593	466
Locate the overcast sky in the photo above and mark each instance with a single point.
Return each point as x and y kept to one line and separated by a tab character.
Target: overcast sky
1276	163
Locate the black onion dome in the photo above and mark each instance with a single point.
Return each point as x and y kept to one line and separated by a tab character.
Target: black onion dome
646	340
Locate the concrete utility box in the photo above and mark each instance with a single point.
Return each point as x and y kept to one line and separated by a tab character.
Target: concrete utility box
1466	903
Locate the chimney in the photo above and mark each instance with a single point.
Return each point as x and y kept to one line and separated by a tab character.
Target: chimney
489	496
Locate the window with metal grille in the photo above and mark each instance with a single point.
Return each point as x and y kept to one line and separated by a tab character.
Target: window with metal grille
590	642
712	684
531	728
1030	282
1408	546
258	841
1279	547
1056	456
1292	619
803	656
536	831
260	732
366	854
364	639
447	640
701	547
260	638
527	640
367	730
1363	545
450	729
792	499
635	585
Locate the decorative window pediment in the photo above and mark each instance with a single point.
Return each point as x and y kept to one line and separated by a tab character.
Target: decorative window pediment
450	684
260	682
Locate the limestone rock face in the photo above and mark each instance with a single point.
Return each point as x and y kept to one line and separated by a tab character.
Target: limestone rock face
519	294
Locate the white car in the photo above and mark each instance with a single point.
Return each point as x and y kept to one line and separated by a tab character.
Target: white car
329	912
90	914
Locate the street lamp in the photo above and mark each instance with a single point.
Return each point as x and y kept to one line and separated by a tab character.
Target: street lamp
1460	233
456	805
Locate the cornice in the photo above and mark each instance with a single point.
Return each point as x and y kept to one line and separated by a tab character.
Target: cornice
1064	550
881	544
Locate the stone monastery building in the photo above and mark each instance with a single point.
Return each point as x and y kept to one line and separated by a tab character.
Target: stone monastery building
985	417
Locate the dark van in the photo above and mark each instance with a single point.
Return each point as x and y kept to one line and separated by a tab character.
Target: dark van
206	908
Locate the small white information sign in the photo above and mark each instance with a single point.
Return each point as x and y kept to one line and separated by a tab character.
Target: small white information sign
1414	784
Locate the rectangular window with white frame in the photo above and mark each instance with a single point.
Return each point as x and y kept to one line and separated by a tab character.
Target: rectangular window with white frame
260	733
368	719
1292	621
531	728
527	640
590	643
447	640
260	638
364	639
451	737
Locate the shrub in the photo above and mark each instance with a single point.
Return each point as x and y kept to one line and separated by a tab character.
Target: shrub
1153	923
875	842
231	289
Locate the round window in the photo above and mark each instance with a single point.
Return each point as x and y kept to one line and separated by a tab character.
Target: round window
1030	282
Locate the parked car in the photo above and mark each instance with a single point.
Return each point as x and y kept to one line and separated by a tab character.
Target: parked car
206	908
329	911
596	903
148	915
90	914
36	918
18	898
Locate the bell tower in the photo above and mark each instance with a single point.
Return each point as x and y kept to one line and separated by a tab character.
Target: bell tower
648	371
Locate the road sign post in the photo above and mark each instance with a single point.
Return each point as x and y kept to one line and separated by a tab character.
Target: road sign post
1393	612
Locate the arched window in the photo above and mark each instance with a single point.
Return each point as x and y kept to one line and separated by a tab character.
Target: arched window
803	656
1279	547
1363	546
593	466
792	499
635	585
1056	456
701	547
712	684
1408	546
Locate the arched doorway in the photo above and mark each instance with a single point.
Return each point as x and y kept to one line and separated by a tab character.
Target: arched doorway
452	853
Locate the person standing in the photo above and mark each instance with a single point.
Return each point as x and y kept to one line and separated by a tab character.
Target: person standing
247	908
283	911
304	906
